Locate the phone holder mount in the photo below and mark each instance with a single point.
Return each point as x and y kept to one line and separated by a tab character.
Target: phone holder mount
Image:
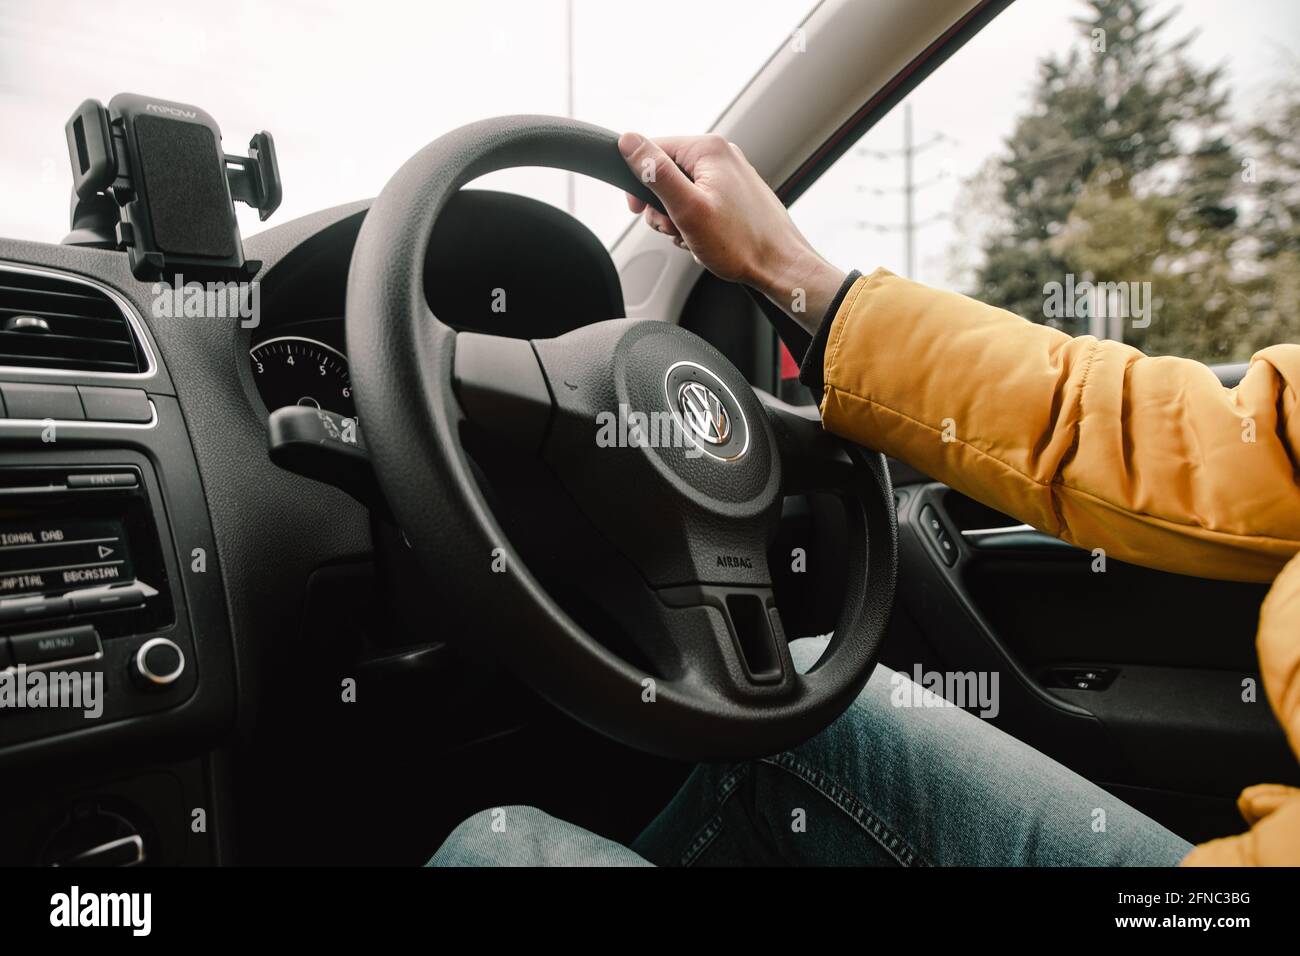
149	177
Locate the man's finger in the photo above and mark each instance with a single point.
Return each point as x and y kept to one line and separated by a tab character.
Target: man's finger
655	168
659	222
634	204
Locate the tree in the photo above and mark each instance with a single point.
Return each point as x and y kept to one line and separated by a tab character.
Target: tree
1271	171
1125	170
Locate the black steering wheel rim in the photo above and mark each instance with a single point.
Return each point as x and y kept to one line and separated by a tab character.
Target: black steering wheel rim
404	372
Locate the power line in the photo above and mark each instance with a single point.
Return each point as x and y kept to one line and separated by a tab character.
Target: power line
910	226
901	226
895	190
935	140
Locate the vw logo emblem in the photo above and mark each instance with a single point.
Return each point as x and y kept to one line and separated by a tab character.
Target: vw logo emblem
703	413
707	413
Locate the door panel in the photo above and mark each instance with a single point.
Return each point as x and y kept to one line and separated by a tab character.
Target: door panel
1132	677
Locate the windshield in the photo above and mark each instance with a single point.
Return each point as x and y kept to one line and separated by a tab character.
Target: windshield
351	89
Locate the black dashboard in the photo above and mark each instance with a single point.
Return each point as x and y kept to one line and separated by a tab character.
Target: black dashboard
203	584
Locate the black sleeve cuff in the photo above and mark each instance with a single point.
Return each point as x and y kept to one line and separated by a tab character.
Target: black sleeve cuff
812	369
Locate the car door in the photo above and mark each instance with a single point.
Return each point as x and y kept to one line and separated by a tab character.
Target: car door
1082	166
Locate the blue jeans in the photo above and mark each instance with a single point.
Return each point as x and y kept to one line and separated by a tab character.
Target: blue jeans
883	785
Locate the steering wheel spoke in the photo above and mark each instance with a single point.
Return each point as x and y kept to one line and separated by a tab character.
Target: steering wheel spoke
501	388
812	459
737	637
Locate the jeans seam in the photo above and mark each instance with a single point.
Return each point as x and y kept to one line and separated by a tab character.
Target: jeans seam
702	840
852	806
705	836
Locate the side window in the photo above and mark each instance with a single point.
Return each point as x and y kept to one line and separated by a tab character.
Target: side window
1128	169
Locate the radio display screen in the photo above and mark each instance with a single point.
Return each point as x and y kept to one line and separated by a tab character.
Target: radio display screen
53	556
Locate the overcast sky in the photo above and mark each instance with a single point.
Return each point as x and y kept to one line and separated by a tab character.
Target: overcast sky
350	89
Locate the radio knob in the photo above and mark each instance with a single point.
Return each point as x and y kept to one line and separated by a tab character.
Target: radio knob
158	663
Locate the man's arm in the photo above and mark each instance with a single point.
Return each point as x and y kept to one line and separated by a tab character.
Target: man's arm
1150	459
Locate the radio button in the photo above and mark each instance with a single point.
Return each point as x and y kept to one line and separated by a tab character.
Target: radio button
48	647
115	404
158	663
106	479
108	599
24	400
20	609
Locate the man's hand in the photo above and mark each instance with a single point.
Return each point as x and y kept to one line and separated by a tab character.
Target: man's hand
722	211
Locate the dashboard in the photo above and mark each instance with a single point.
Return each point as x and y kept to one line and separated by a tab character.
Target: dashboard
497	263
158	547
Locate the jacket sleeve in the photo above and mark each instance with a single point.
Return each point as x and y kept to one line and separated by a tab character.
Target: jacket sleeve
1150	459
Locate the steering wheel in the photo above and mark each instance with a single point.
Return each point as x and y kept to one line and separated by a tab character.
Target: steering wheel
687	483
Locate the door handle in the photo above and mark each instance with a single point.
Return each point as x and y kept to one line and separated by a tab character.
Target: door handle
1017	537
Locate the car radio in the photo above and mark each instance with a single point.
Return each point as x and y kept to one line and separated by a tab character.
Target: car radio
86	598
80	543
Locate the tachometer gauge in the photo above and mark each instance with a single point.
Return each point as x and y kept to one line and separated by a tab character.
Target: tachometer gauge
292	370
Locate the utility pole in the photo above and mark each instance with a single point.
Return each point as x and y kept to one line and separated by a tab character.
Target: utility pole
568	32
909	224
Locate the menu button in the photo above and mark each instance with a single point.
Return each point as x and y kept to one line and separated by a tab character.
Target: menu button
49	647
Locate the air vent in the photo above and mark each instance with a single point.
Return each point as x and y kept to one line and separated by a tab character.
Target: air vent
55	322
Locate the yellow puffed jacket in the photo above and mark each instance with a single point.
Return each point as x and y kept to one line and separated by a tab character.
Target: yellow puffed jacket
1151	459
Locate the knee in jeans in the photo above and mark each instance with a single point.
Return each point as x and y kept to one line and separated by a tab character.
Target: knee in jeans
872	717
469	843
872	711
874	705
